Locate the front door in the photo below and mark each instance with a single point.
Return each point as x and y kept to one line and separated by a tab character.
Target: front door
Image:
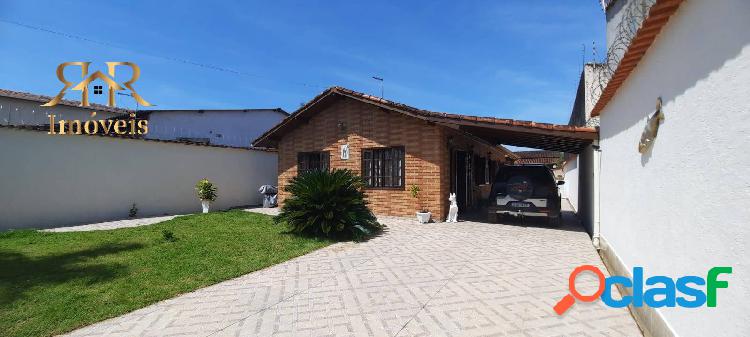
462	165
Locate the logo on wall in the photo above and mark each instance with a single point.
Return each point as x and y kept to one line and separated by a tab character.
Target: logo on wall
118	126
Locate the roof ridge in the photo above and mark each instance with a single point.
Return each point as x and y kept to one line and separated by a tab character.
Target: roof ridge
44	98
430	116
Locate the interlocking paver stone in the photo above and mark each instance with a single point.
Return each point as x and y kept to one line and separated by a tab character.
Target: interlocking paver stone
437	279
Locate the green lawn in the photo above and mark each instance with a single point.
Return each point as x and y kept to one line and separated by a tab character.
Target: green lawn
51	283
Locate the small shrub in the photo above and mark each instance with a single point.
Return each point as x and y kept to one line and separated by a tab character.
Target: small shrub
205	190
329	204
168	235
414	190
133	211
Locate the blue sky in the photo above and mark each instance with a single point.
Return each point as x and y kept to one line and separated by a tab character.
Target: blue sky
510	59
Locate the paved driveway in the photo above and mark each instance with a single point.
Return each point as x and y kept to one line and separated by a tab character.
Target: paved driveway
462	279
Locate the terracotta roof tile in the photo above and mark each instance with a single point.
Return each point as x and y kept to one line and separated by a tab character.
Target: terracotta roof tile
538	157
440	117
536	161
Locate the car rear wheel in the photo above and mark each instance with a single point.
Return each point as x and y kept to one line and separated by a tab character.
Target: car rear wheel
554	221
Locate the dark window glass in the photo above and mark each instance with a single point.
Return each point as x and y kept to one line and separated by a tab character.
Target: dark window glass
480	165
487	170
97	90
383	167
492	172
312	161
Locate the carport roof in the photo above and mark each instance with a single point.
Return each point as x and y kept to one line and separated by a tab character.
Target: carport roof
553	137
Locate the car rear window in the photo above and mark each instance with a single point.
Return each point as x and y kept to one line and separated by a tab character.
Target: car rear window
544	183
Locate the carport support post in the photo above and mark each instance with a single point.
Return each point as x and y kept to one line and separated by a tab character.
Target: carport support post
597	174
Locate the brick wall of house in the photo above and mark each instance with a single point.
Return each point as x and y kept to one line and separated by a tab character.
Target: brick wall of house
368	126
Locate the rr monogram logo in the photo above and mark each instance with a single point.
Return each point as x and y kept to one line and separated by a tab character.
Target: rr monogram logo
109	80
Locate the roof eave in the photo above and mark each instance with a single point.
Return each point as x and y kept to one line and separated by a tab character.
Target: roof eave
570	134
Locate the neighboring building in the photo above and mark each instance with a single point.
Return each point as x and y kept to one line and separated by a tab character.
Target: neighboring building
21	108
589	86
236	128
552	159
221	127
549	158
578	169
681	207
394	146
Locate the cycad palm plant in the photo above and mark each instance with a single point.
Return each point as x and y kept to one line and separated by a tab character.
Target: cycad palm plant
328	204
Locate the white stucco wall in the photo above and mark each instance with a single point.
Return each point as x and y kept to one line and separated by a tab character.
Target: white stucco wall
570	189
682	208
224	127
15	111
52	180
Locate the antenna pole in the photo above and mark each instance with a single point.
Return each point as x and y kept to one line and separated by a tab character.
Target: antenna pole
382	90
583	56
137	106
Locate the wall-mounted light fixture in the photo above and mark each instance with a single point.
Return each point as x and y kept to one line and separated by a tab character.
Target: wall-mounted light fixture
652	128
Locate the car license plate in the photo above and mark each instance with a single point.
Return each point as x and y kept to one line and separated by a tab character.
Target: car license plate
520	204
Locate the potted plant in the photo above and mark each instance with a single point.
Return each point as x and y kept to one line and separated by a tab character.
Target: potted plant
423	215
206	192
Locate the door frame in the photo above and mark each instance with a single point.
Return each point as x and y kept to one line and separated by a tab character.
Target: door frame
466	159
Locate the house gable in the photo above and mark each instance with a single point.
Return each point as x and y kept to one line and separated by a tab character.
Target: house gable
363	126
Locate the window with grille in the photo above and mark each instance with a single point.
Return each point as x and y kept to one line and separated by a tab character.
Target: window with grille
312	161
383	167
98	89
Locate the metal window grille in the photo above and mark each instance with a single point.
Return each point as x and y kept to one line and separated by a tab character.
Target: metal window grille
312	161
384	167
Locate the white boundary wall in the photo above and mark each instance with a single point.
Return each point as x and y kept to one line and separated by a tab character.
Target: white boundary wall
682	208
570	189
58	180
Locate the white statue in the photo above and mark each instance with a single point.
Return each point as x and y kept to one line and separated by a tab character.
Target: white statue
453	211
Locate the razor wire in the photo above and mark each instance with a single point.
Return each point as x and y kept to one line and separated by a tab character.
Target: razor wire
632	17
